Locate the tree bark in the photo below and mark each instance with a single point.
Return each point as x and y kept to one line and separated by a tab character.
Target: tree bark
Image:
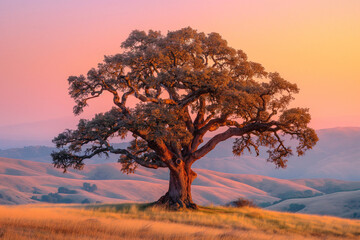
179	194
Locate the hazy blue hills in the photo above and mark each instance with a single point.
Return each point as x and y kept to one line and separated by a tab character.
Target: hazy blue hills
25	181
325	181
35	153
42	154
337	156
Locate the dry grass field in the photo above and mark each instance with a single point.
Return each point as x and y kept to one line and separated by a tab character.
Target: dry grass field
135	221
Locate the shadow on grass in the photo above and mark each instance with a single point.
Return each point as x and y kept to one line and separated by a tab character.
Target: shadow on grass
118	207
141	207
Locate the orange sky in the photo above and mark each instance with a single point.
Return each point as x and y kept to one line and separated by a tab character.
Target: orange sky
312	43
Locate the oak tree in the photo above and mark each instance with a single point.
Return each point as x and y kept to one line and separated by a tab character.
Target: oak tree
168	92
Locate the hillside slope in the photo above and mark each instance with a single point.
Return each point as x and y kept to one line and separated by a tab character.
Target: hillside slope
342	204
24	181
136	221
336	155
329	185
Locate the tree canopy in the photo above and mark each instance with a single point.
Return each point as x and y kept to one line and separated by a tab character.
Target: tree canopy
168	92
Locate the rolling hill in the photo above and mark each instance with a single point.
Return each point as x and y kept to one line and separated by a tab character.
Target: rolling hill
140	221
342	204
24	181
337	155
325	181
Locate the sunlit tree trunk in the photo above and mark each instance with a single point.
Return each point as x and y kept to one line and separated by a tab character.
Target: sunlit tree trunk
179	193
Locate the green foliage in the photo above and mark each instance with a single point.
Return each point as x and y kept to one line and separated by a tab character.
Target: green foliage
85	201
52	198
295	207
66	190
186	83
88	187
241	202
36	190
182	86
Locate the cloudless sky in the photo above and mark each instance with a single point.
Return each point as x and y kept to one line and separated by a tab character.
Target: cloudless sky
312	43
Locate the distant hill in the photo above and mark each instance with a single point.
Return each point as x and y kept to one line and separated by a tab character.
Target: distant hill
341	204
22	179
337	155
42	154
34	153
329	185
25	181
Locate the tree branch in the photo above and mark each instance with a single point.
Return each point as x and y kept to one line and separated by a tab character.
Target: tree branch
211	144
65	159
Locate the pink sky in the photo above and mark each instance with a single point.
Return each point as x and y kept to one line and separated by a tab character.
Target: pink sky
312	43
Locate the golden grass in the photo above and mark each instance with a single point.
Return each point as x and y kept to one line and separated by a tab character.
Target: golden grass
135	221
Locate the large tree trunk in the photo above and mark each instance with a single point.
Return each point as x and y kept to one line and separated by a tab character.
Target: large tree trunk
179	194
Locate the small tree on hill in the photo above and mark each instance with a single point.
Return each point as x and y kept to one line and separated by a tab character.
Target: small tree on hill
88	187
184	85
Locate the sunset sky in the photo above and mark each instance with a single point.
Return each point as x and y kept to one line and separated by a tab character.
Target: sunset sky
315	44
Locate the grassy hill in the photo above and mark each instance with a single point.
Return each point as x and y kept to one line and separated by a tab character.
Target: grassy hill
134	221
20	180
336	155
342	204
329	185
24	181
